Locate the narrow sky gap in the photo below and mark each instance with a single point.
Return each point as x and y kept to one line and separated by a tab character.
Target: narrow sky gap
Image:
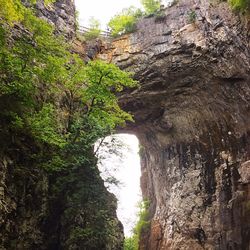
121	160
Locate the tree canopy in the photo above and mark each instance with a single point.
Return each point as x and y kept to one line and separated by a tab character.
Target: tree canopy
151	6
94	29
53	94
124	22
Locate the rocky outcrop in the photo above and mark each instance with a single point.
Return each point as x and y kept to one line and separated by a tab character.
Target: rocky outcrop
60	14
62	210
45	208
192	116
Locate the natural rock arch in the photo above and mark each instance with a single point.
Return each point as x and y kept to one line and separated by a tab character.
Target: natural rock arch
192	116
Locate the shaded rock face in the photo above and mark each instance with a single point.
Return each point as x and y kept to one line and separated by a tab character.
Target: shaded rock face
46	211
23	204
192	116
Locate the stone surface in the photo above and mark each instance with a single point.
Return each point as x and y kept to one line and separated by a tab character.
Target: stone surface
51	210
45	211
61	14
192	116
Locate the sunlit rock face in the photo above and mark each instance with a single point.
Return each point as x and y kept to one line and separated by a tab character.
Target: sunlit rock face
192	116
61	15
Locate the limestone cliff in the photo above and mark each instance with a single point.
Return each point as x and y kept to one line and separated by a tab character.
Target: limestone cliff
66	208
192	116
61	15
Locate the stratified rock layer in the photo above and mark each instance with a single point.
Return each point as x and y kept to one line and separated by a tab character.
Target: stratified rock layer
192	116
61	15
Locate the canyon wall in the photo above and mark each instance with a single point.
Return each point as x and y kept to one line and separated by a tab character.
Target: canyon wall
42	207
61	15
192	117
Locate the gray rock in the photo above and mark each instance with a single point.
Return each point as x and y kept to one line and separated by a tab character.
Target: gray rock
192	117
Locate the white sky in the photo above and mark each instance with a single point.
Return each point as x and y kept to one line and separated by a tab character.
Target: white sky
102	10
127	170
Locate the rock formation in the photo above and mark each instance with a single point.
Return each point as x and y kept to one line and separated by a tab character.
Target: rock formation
60	14
50	210
192	117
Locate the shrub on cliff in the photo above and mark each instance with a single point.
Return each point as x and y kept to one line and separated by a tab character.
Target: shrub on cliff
151	6
124	22
94	29
242	5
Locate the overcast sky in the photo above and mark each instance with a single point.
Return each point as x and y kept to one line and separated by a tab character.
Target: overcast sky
102	10
125	167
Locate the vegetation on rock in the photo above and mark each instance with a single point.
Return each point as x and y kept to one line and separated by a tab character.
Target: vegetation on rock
242	5
125	21
54	107
151	6
192	16
141	227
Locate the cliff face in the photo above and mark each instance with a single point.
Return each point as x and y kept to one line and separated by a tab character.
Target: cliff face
192	116
67	208
61	15
62	210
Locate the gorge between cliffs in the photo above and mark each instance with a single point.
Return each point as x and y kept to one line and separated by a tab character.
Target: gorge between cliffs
191	115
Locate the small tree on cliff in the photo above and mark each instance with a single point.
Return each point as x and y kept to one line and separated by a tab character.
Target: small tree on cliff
151	6
94	29
124	22
242	5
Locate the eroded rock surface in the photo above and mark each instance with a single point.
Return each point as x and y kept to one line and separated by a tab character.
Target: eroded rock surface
61	15
192	116
42	209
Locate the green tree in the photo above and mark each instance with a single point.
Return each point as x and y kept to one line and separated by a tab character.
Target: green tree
52	93
151	6
143	222
242	5
94	29
141	227
131	243
124	22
